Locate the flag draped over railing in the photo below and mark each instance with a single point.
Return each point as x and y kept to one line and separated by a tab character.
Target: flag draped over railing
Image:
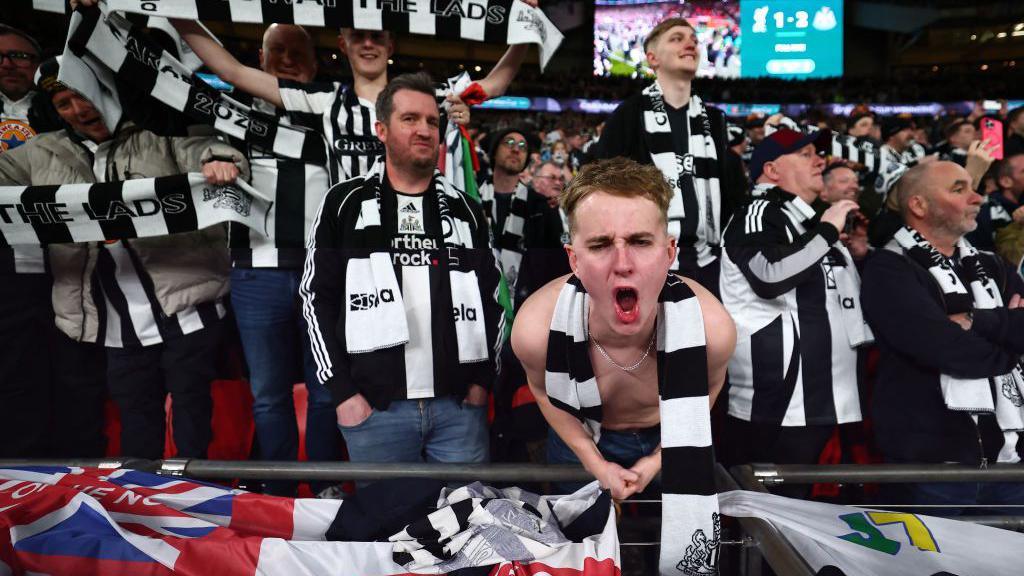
64	520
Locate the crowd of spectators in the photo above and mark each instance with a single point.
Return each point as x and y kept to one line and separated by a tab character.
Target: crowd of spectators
782	219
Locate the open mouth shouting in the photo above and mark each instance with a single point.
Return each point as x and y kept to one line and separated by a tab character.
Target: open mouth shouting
627	304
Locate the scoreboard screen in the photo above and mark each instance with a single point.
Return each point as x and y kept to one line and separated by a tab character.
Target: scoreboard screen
792	38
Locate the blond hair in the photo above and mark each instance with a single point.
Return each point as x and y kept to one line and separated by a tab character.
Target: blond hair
619	177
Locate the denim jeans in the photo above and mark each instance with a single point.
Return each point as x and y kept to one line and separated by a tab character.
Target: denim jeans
957	498
621	447
429	430
273	333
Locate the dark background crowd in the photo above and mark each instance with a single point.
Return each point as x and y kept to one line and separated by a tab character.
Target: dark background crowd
544	152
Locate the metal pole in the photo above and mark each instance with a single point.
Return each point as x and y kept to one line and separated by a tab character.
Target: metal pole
102	463
770	474
772	544
223	469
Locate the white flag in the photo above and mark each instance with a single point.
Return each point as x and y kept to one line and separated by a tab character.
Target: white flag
863	542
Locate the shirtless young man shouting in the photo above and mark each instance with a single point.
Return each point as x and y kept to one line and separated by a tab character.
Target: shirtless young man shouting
620	254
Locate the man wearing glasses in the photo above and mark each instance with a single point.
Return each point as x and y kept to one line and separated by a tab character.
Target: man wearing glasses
26	314
527	233
23	112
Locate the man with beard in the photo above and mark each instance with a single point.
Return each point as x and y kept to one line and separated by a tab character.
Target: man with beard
949	327
24	112
793	290
668	126
400	292
527	234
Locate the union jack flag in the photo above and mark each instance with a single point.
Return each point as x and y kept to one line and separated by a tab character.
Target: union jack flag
66	520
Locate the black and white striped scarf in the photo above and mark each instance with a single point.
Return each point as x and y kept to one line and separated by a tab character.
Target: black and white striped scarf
106	54
379	321
33	215
1000	395
477	525
495	22
509	243
690	521
696	206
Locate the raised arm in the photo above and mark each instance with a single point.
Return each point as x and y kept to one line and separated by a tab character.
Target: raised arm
251	80
498	79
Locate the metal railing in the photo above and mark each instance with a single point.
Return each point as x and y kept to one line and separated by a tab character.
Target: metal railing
761	477
758	533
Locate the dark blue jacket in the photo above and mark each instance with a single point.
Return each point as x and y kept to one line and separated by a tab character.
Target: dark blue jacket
904	307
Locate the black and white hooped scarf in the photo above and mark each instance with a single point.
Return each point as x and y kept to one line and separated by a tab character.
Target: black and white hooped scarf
690	522
1000	395
477	525
105	54
147	207
509	243
694	177
383	324
494	22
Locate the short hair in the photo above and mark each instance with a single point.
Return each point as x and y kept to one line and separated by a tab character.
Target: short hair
1005	170
909	186
954	126
826	173
536	169
619	177
6	30
1012	115
417	82
662	27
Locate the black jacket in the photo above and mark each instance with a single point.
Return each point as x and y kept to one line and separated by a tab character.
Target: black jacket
624	135
904	307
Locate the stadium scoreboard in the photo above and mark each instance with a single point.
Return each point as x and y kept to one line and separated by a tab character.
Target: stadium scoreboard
792	38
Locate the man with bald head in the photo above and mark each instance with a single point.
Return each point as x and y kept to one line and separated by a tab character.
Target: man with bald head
265	280
948	322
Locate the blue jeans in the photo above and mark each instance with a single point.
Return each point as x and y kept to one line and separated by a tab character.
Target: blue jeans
273	333
429	430
621	447
959	497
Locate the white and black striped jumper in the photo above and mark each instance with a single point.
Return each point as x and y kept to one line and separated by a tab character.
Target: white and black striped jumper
408	230
130	314
345	120
793	292
297	189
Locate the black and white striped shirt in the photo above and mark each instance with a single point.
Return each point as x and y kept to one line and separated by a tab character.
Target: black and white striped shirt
793	364
130	314
297	189
428	365
345	120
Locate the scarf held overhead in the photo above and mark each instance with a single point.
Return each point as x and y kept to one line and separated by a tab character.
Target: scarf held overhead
106	54
32	215
690	527
493	21
1002	395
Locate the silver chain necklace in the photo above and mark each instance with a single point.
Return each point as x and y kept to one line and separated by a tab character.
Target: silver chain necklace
620	366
